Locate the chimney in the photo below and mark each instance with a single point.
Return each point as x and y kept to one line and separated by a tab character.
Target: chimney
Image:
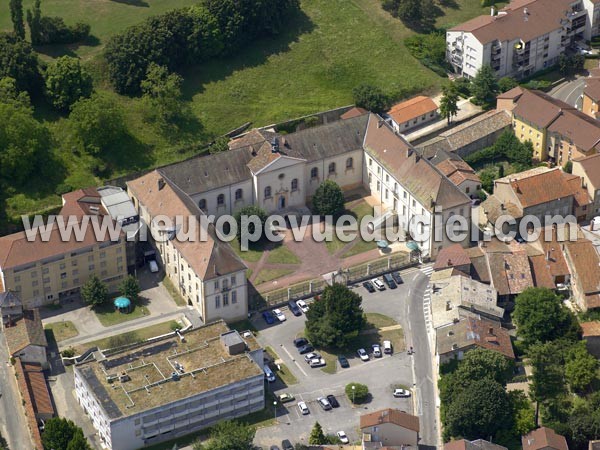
161	183
548	255
502	206
449	262
491	331
493	11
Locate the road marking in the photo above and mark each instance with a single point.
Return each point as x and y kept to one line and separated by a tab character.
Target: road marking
294	360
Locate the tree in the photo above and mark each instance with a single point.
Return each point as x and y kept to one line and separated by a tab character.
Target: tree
541	317
98	123
9	94
481	410
16	15
335	317
359	394
522	412
448	102
250	212
3	443
317	437
162	94
481	363
59	432
370	98
410	11
548	372
78	441
506	84
130	288
568	167
584	424
229	435
34	16
67	82
484	86
24	143
581	368
221	144
18	61
94	291
328	199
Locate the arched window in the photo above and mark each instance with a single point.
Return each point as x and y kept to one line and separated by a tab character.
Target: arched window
268	192
202	203
220	200
295	184
239	194
331	168
349	163
314	172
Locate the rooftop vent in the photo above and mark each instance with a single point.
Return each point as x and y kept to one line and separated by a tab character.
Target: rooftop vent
275	145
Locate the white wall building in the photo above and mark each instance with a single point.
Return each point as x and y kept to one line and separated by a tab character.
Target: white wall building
524	37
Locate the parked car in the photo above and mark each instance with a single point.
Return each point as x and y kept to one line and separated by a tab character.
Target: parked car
387	347
280	315
269	375
153	266
333	401
317	362
475	201
303	408
305	349
397	278
273	447
376	350
287	445
378	284
342	437
286	397
363	354
294	308
268	317
389	281
300	342
343	361
368	286
302	305
312	355
324	403
401	393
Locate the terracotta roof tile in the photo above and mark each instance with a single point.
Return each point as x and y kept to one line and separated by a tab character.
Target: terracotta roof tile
353	112
412	108
584	266
591	167
38	389
26	331
472	331
512	94
590	329
539	108
458	171
453	255
510	272
535	187
592	88
543	438
578	128
390	415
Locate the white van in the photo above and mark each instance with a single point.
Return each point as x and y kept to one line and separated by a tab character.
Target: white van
153	266
269	375
387	347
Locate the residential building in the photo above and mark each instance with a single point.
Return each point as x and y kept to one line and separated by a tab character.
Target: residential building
572	135
11	307
462	175
544	438
455	339
583	261
170	387
412	113
390	427
592	26
456	296
453	256
549	267
588	169
47	269
520	39
479	444
25	338
591	336
591	96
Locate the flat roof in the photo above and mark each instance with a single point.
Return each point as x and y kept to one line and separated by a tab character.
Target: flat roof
201	361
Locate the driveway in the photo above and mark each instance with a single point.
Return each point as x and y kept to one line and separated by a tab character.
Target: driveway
570	91
405	305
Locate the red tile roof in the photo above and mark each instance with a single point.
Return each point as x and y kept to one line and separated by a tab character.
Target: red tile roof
538	186
451	256
458	171
584	266
26	331
539	108
411	109
390	415
353	112
590	329
544	438
38	388
591	167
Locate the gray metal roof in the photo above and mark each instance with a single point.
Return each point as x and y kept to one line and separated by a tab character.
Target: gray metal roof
100	393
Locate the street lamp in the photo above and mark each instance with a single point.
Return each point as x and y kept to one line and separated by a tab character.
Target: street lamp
353	389
275	410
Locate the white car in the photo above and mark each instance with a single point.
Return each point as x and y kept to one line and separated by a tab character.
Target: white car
401	393
376	351
302	305
317	362
342	437
362	353
303	408
280	315
312	355
153	266
378	284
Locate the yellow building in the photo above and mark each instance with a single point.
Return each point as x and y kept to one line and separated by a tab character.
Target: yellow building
591	97
48	269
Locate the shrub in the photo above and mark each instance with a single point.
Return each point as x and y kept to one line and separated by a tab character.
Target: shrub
68	353
174	325
372	98
328	198
359	394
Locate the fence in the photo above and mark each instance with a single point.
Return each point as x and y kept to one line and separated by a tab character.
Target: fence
316	286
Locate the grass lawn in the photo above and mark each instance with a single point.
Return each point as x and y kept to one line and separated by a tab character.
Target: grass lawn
463	10
175	295
108	315
376	320
254	252
62	330
271	274
140	334
282	255
284	373
590	64
243	325
359	210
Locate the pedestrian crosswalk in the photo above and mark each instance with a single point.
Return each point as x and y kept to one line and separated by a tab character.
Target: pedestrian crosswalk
427	307
427	270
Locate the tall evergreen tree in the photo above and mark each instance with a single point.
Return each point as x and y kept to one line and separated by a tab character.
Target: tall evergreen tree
16	15
34	18
485	85
317	437
448	102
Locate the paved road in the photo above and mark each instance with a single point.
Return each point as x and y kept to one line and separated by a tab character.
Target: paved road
570	92
12	421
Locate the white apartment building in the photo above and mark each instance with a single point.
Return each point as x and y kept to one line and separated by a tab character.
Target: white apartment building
522	38
170	387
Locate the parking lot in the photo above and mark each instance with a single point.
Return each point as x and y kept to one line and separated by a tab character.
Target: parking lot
381	375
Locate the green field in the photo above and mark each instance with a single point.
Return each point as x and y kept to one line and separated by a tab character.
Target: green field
325	51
